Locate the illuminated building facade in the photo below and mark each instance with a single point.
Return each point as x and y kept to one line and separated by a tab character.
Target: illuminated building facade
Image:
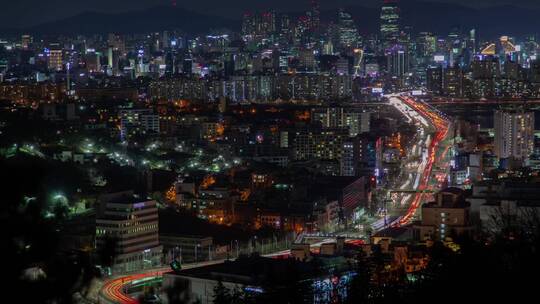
55	60
397	59
317	143
131	224
348	34
514	134
357	121
138	121
447	216
390	21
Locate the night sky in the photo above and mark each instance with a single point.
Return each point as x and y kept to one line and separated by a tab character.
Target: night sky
22	13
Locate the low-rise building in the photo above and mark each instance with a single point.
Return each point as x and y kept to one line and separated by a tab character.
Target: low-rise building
447	216
130	223
186	248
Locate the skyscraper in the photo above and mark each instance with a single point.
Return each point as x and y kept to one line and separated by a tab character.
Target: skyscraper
389	21
514	134
315	16
471	43
259	24
348	34
397	60
358	56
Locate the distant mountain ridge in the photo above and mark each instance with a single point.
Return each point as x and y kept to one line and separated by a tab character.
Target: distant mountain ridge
439	18
154	19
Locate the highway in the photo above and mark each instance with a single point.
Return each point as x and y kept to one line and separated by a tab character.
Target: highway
433	130
114	290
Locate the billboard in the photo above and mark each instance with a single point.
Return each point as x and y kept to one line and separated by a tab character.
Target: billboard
438	58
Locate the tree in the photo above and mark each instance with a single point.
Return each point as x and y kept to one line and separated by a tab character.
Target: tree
107	252
32	245
222	294
360	285
179	292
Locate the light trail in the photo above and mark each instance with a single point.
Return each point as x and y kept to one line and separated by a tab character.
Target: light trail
441	126
114	290
435	127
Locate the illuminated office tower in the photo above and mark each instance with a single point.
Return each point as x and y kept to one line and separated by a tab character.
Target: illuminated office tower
130	223
397	61
390	21
328	48
348	34
471	43
358	62
426	45
514	134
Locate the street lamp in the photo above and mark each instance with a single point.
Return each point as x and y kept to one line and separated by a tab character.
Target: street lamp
198	245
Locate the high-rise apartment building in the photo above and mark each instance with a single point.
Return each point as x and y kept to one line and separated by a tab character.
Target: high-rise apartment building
55	60
319	143
357	121
138	121
514	134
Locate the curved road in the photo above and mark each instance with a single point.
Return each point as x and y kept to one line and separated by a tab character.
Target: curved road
429	118
113	291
